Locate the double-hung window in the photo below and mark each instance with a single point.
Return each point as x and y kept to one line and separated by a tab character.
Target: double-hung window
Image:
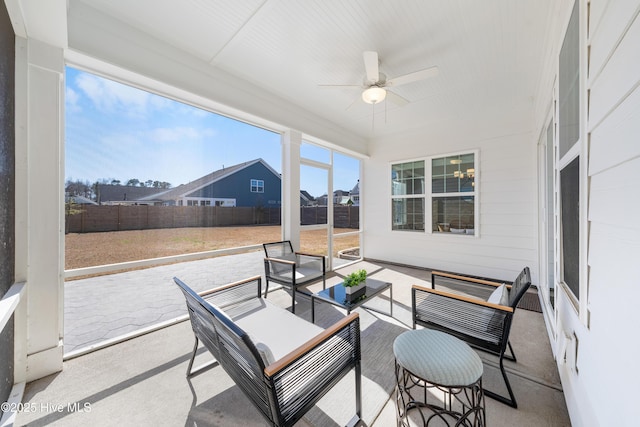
257	186
408	196
569	149
451	194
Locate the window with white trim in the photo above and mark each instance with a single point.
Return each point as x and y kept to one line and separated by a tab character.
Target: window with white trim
257	186
408	196
569	147
452	194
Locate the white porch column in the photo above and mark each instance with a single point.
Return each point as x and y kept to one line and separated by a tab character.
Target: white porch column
291	141
39	203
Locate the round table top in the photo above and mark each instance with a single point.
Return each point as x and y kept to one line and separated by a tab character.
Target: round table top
437	358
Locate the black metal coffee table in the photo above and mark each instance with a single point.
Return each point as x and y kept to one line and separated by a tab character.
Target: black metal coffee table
337	296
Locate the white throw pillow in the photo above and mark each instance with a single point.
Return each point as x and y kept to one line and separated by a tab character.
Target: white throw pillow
499	296
265	353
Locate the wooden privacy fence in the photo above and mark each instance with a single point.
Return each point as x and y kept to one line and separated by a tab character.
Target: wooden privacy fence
93	219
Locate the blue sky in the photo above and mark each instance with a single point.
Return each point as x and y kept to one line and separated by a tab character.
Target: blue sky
114	131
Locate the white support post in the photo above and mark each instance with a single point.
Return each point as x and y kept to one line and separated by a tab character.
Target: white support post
39	205
291	142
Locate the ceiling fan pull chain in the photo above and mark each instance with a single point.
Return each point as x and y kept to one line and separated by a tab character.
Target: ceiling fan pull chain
373	115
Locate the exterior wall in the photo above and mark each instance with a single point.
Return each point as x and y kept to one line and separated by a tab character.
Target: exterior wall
7	192
607	373
237	186
505	177
595	347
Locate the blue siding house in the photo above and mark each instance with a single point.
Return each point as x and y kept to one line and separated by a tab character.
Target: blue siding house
249	184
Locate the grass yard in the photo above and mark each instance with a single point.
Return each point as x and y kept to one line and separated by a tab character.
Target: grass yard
91	249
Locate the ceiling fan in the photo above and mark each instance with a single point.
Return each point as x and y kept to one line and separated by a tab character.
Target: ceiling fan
375	85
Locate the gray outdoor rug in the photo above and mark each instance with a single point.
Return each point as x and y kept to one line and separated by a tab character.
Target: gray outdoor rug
377	333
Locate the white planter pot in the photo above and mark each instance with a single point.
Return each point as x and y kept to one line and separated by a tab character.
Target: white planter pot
353	289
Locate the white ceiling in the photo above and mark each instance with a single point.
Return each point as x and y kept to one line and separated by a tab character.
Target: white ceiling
489	53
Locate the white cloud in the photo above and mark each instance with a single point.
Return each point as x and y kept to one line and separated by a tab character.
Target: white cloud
71	98
108	95
181	134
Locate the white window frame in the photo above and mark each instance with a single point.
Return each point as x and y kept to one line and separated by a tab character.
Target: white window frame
258	184
422	195
207	201
474	193
578	149
428	196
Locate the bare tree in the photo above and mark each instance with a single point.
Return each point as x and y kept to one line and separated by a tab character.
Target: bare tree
78	188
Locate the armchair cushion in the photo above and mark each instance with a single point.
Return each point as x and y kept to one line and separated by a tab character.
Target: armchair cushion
265	353
302	274
499	296
265	323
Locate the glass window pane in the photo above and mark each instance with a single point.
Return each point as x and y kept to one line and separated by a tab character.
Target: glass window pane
418	169
451	185
467	184
418	186
437	185
407	178
437	167
569	86
408	214
313	184
452	167
467	159
453	215
314	152
409	184
570	224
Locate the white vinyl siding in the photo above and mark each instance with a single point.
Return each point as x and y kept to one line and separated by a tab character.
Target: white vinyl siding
608	296
506	229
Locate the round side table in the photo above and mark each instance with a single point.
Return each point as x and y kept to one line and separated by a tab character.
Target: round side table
433	364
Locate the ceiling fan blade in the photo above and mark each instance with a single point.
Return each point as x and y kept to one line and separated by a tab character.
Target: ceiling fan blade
371	66
413	77
397	99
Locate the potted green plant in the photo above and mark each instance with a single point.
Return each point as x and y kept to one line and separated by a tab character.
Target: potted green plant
355	284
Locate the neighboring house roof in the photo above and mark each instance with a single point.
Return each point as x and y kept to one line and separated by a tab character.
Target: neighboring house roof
120	193
184	189
306	196
79	200
356	189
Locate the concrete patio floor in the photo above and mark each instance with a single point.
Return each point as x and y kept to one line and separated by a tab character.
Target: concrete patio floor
142	381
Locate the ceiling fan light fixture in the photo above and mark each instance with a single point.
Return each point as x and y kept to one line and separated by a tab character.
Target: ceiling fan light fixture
374	95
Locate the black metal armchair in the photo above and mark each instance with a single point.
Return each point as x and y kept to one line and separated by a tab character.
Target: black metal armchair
484	325
291	269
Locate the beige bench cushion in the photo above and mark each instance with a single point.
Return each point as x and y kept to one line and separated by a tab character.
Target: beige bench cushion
277	328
